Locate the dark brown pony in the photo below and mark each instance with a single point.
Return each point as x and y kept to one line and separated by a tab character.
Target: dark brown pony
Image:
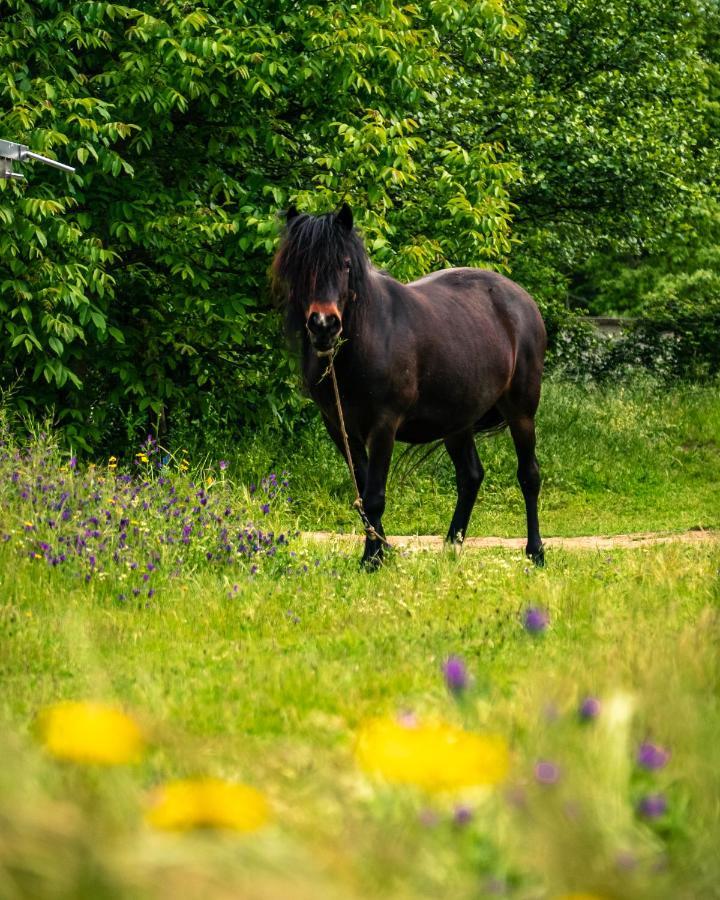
443	358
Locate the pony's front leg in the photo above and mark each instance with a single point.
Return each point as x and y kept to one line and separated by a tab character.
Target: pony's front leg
380	447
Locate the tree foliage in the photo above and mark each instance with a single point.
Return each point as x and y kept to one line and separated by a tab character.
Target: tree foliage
539	140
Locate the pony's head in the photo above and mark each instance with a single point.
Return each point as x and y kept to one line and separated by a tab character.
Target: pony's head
322	267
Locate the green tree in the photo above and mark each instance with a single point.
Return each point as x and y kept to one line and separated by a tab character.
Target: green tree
138	286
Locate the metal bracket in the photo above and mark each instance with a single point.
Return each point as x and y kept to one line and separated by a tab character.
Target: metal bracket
11	152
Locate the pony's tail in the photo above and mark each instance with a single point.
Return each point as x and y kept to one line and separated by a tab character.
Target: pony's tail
410	461
491	423
414	456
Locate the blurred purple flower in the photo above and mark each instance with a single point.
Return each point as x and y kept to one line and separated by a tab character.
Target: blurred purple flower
546	772
462	815
223	464
456	676
652	806
73	462
652	756
589	709
535	619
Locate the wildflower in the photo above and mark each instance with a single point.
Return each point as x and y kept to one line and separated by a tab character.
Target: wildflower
462	815
589	709
222	465
652	806
112	462
652	756
456	677
435	756
87	732
535	619
208	803
546	772
73	462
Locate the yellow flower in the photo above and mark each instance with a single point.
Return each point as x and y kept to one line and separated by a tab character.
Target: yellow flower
112	462
208	803
435	756
89	732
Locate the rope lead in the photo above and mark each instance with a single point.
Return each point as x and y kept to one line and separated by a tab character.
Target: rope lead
357	503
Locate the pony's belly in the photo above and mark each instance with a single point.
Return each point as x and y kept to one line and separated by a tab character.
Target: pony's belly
422	432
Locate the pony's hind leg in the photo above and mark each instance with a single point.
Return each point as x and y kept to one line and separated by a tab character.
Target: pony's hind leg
469	474
522	430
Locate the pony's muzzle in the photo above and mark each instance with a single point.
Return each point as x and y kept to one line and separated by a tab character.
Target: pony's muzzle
324	324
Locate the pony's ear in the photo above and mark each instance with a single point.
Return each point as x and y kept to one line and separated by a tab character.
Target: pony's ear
291	213
345	217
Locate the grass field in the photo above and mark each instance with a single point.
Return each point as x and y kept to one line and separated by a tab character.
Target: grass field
264	663
613	460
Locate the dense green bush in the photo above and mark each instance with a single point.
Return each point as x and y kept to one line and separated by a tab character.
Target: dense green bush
676	334
139	285
133	295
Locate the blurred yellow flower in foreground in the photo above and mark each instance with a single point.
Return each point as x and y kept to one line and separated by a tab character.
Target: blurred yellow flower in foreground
208	803
89	732
434	755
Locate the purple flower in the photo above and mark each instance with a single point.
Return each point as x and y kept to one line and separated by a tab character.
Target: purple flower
652	756
223	464
546	772
455	672
589	709
265	508
535	619
652	806
462	815
73	462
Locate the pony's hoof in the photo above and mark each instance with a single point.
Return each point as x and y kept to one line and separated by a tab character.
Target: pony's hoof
537	556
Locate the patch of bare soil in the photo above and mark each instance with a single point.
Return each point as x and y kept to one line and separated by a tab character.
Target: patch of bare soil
590	542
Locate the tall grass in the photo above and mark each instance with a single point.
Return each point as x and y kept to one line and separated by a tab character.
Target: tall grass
266	675
614	459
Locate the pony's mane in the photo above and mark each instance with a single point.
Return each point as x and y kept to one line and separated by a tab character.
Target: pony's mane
312	248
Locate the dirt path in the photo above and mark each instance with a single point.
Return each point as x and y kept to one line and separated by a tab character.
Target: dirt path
600	542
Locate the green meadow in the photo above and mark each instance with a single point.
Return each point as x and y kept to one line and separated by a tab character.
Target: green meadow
253	654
